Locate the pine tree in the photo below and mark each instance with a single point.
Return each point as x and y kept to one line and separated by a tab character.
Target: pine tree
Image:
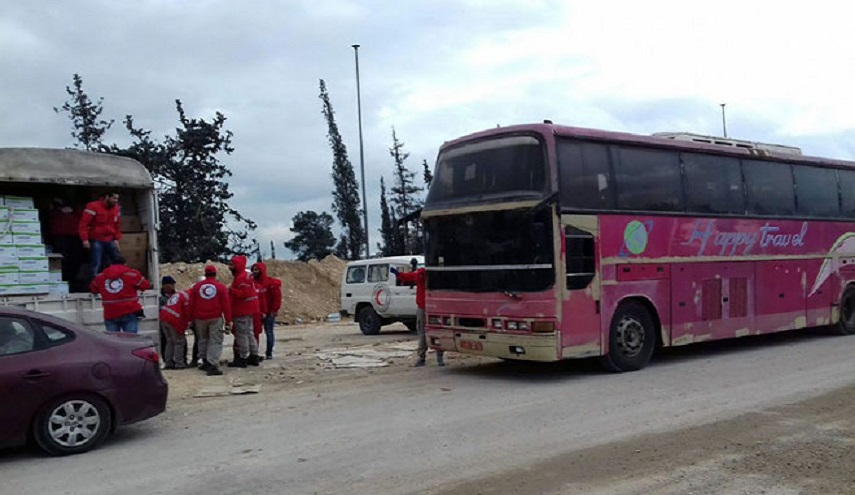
313	237
427	175
346	203
387	226
404	202
196	221
88	131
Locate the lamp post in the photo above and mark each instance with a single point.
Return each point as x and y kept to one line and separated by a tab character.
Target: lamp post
361	152
723	122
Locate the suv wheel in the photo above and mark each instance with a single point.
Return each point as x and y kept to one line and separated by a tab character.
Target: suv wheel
369	321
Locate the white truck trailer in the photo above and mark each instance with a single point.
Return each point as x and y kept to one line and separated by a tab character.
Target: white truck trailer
32	275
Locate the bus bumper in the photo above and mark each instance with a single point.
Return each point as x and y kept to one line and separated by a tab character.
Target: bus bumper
493	344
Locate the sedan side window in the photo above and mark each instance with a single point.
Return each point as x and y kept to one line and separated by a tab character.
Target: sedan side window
16	336
56	336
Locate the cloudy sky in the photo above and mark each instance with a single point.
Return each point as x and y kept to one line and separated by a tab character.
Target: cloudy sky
433	70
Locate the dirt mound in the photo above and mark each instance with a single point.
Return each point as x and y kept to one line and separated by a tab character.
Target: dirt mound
310	291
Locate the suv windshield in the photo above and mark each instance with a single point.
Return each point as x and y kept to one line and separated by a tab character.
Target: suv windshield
498	168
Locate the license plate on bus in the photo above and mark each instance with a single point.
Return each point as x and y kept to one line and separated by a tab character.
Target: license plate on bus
471	346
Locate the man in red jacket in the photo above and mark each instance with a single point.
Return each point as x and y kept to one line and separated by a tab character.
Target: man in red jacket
119	288
174	319
270	300
418	277
100	230
210	309
244	307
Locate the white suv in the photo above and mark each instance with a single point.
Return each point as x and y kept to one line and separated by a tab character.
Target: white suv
370	293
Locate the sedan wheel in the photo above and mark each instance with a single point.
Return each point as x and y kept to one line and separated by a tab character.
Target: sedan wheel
72	425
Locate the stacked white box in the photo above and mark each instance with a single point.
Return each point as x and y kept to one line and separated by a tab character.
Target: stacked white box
31	251
26	239
9	277
58	288
33	277
26	227
39	264
24	214
18	201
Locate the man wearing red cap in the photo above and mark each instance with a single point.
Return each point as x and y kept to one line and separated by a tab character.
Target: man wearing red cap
174	318
244	299
210	308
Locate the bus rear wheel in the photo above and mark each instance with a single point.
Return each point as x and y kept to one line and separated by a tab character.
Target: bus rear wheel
846	325
632	338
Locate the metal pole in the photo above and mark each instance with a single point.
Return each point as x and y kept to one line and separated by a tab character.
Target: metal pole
361	152
723	121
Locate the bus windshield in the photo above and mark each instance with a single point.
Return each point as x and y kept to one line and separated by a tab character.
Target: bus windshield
509	250
499	168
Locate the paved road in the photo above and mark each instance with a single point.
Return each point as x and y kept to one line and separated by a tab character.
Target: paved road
427	430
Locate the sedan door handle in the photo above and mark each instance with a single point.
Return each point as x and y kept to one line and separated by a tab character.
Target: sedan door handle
36	375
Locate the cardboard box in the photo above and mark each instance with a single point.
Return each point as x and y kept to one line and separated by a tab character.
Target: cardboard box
58	289
133	242
31	251
9	277
130	223
136	259
9	251
27	239
34	288
33	264
6	237
33	277
25	214
18	201
26	227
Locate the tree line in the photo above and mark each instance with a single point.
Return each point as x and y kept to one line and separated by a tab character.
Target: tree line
186	167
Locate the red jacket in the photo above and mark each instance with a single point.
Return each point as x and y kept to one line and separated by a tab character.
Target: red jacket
176	311
99	223
418	277
209	299
242	291
269	291
119	286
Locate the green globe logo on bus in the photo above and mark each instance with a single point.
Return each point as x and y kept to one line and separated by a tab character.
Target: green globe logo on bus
635	237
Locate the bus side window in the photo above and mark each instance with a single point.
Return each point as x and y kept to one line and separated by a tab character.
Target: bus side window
847	192
579	258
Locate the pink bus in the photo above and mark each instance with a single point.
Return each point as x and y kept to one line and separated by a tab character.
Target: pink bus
546	242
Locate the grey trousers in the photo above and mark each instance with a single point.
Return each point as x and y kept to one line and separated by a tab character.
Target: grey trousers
176	345
210	335
420	328
244	338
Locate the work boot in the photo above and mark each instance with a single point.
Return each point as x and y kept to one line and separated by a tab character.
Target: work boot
238	362
214	371
204	366
253	360
419	363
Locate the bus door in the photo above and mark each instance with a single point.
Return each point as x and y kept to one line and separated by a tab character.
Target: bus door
711	301
580	319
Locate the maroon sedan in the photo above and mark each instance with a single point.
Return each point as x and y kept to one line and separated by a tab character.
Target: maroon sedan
68	387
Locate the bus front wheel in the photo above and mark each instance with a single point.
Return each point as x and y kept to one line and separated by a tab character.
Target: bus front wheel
846	325
632	338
